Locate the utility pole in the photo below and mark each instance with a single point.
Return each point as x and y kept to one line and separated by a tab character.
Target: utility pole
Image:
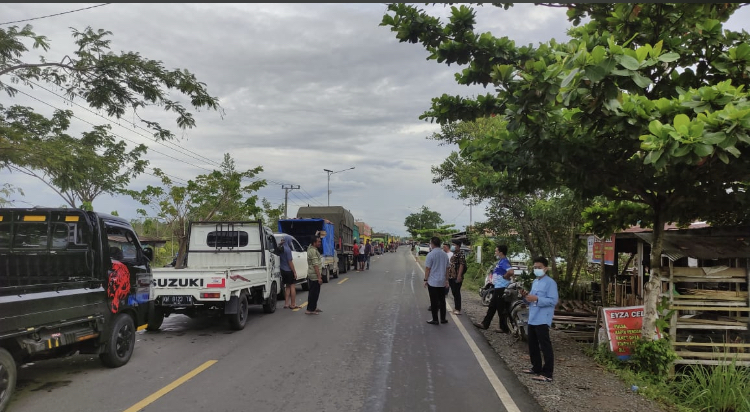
287	188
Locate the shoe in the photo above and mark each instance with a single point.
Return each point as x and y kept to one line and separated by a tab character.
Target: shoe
318	310
541	378
311	313
294	307
433	322
457	312
479	325
529	371
286	307
444	321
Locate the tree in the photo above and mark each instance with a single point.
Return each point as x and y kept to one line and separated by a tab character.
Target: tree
424	219
6	189
217	196
77	169
114	83
646	104
271	215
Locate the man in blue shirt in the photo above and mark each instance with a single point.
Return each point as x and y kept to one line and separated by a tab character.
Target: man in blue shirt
501	276
542	301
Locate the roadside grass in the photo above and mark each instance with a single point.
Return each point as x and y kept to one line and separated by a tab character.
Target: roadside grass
695	388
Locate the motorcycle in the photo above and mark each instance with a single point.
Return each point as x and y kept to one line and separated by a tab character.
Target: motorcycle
485	292
518	311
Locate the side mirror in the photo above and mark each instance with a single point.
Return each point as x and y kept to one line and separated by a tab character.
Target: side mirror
149	253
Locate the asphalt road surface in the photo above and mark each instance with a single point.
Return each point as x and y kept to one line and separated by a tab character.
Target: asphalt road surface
370	350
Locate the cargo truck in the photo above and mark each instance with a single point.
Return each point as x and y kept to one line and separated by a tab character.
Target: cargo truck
71	281
343	230
303	230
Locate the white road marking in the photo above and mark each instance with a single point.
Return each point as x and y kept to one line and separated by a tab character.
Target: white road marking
500	389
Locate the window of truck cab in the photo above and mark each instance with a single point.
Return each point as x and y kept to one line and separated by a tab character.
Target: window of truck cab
227	238
123	244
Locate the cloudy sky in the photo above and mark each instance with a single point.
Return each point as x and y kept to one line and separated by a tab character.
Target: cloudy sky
303	87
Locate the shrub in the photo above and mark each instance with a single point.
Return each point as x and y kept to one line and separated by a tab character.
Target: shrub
653	357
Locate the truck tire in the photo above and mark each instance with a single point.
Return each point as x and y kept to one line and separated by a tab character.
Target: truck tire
324	275
155	318
238	320
121	342
334	273
343	264
270	305
8	376
306	285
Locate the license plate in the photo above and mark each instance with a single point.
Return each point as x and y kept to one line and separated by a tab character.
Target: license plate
177	300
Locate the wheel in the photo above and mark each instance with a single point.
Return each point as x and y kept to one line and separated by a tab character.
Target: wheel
487	298
270	305
519	322
343	265
237	320
119	346
325	275
155	318
8	376
335	274
306	285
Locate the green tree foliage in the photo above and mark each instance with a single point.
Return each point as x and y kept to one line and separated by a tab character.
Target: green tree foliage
424	219
114	83
216	196
647	103
6	190
77	169
271	215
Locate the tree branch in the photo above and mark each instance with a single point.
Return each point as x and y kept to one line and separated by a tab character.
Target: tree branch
29	66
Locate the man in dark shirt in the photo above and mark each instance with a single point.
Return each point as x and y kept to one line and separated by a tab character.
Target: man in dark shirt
368	252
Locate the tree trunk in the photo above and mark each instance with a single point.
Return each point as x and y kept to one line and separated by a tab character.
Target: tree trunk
652	289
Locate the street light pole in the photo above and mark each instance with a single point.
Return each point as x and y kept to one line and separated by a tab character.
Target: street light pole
330	172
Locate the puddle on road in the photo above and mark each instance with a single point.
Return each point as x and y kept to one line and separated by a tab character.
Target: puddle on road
50	386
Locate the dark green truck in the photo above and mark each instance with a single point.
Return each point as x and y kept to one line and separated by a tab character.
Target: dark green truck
71	281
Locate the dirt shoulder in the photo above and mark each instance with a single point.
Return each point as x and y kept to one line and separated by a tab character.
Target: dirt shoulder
580	384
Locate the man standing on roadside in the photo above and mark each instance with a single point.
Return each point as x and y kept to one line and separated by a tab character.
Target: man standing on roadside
368	252
501	279
314	276
288	275
542	301
435	280
458	264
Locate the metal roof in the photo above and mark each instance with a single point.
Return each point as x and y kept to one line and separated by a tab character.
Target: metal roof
704	243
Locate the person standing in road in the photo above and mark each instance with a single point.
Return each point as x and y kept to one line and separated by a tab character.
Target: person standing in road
501	276
458	263
356	256
288	274
314	275
542	301
447	250
368	253
435	280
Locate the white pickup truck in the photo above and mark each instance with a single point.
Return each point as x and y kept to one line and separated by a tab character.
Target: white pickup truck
230	265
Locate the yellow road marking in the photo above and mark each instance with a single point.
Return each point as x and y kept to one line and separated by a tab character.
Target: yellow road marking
300	307
163	391
500	390
343	280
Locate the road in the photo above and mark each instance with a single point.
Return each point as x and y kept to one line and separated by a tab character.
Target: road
370	350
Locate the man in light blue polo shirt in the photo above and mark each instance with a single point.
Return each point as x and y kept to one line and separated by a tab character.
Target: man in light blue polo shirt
542	301
436	280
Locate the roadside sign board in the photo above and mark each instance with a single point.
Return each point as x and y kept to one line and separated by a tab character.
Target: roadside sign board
608	245
623	328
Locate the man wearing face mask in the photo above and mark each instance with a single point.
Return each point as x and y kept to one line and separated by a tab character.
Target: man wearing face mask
501	276
542	301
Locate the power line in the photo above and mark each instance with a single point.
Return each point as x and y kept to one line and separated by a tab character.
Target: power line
121	137
202	158
53	15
